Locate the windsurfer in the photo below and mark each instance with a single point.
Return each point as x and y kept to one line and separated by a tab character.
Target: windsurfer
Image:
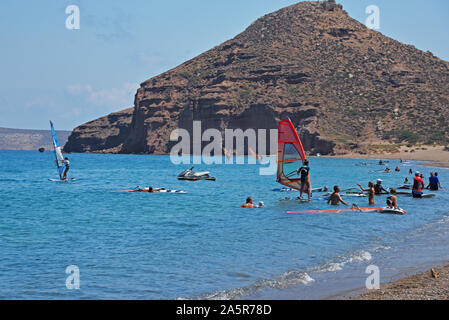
305	185
66	162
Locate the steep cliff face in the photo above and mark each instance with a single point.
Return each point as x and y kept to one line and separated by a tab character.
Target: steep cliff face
341	84
101	135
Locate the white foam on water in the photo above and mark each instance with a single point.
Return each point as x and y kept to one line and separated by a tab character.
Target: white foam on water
291	277
359	256
284	280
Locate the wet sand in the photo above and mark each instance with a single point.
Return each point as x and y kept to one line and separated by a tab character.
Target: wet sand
436	156
423	286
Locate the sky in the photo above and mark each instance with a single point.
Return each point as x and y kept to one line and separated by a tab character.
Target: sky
73	76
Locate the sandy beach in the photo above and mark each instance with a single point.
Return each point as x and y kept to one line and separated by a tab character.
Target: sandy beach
433	156
424	286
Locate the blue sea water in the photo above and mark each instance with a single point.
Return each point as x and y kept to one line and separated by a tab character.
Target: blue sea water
194	245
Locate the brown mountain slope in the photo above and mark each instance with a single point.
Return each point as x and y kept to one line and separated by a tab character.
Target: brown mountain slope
340	83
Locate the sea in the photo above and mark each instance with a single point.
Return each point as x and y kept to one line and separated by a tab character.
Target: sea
80	240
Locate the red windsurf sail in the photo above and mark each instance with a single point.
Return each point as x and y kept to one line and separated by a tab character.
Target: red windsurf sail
291	156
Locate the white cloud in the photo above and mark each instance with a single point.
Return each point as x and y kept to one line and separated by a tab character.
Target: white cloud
112	97
78	88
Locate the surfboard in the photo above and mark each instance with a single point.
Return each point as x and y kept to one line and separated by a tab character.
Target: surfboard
303	200
364	210
60	180
387	210
157	190
409	194
349	194
285	189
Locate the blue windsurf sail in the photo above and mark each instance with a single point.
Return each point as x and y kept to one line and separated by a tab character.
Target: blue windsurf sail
58	152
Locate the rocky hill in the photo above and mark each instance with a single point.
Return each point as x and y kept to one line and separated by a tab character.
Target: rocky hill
346	87
24	139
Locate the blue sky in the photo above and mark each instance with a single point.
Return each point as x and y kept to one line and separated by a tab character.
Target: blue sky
74	76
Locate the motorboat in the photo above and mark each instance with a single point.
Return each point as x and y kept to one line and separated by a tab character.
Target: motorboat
191	175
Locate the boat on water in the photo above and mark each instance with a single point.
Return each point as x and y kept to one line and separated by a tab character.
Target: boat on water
190	175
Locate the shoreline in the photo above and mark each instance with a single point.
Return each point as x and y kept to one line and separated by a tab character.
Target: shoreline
429	285
431	156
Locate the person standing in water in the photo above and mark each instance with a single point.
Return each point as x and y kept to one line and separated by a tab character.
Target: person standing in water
371	192
434	182
335	197
439	185
378	188
305	185
66	162
418	185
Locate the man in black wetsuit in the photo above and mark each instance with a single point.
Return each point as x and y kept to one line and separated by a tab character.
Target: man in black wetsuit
304	173
379	189
66	162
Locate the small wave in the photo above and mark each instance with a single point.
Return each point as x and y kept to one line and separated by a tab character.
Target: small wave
443	220
359	256
289	278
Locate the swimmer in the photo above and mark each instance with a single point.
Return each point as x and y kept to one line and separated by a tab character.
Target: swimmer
248	203
335	197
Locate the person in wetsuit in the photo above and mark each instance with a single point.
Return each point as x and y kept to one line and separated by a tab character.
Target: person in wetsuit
378	188
66	162
304	174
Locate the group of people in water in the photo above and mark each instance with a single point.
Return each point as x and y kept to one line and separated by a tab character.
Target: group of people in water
418	181
373	188
392	201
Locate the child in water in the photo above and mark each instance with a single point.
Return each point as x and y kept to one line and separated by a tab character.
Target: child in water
392	201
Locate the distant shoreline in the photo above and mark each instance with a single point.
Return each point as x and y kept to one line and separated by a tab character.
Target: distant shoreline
431	156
